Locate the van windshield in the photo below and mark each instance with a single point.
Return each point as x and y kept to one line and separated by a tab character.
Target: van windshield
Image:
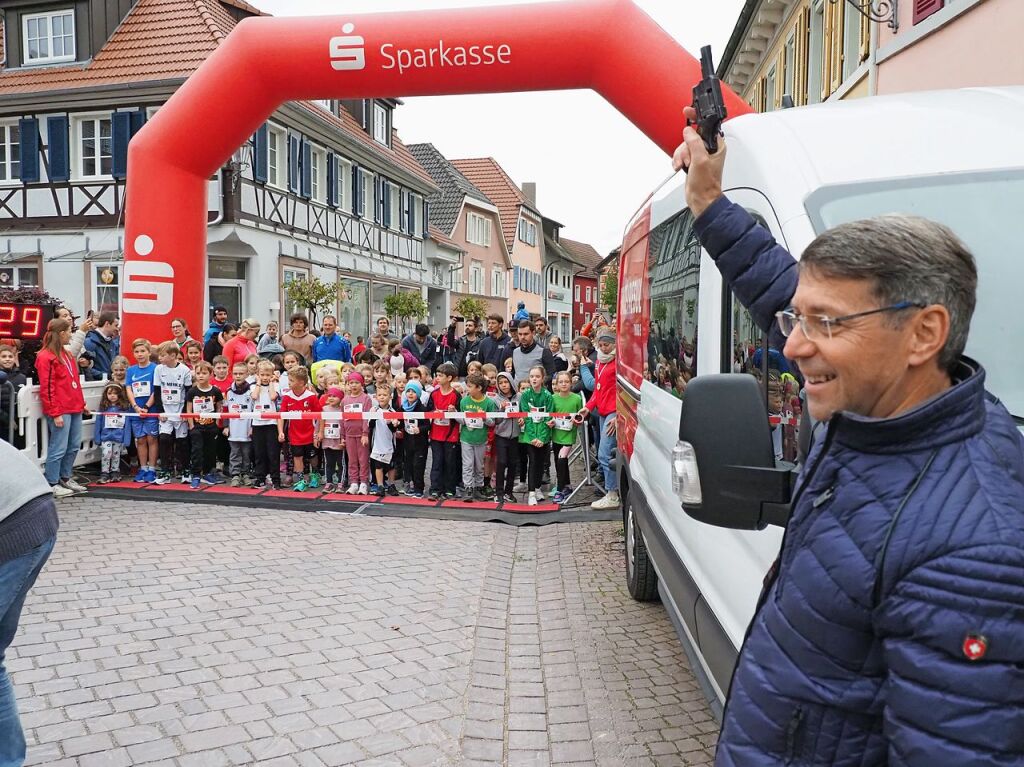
985	210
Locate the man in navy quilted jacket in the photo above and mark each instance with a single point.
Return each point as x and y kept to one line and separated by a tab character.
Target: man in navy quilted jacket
891	631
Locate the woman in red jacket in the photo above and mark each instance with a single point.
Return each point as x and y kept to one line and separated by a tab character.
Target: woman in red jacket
60	392
603	402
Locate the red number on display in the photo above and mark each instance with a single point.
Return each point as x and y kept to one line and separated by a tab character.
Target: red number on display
30	318
6	320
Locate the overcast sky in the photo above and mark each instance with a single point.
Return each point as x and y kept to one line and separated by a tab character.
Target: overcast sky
593	169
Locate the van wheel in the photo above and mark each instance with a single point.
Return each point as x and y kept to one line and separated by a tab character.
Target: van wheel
641	579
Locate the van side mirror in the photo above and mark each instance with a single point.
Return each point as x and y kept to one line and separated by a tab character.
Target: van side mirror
740	485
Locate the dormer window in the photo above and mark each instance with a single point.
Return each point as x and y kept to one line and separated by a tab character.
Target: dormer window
49	38
381	124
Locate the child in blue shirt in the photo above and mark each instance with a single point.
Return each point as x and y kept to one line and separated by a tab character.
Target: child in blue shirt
141	393
112	431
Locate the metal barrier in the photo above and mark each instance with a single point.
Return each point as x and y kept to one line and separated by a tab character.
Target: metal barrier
31	423
8	389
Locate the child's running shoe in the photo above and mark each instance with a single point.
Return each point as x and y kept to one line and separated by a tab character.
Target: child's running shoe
314	480
375	489
392	490
353	489
558	497
150	475
363	489
141	476
236	481
103	480
186	478
162	478
329	487
195	483
300	486
209	479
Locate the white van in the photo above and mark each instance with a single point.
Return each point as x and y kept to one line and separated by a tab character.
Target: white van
952	156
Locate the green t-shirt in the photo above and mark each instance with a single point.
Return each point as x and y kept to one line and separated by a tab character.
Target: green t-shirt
568	403
469	434
538	429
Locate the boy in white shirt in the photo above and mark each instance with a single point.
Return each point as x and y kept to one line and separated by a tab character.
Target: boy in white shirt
172	380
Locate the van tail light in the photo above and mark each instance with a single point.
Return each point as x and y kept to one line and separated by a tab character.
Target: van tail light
685	476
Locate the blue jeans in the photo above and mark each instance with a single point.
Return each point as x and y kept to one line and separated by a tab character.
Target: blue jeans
63	447
16	578
604	454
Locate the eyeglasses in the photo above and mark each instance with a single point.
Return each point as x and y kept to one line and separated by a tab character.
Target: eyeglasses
815	326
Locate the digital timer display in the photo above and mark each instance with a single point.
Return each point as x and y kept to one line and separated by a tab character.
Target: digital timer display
24	321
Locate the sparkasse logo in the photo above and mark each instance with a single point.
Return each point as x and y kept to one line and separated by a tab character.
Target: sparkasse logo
348	52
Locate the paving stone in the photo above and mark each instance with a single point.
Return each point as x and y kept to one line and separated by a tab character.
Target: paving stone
189	635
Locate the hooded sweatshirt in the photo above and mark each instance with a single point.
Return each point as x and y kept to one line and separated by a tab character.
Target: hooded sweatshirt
507	427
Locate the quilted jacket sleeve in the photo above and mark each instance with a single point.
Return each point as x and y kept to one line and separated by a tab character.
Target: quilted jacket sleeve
761	273
941	706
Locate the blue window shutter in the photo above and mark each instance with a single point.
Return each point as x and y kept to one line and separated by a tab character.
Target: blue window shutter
261	154
357	191
403	217
332	180
411	202
138	119
293	163
307	169
376	199
385	203
121	132
515	278
426	217
28	130
57	138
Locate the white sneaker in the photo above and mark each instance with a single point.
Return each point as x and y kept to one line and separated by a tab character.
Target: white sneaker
364	489
73	486
610	501
520	487
533	499
353	489
59	491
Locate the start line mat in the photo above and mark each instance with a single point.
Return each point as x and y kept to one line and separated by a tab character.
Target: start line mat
359	505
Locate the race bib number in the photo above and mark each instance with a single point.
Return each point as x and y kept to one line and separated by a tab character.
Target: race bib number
443	422
141	389
510	407
114	421
235	407
537	415
412	427
332	430
262	408
354	407
563	423
203	405
171	395
474	422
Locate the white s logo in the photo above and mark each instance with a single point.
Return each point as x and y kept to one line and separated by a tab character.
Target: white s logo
347	51
148	287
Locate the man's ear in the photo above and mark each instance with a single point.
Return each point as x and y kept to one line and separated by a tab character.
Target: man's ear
929	333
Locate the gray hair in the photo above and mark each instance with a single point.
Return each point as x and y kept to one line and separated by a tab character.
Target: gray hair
907	258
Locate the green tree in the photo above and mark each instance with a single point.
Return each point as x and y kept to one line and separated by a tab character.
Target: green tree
470	307
610	295
660	312
406	305
314	295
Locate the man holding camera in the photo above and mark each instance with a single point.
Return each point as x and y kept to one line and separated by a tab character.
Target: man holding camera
891	627
463	350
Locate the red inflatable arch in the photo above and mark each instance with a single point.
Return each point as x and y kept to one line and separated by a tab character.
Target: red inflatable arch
610	46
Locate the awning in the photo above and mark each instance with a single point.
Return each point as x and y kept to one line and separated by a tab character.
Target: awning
232	246
115	252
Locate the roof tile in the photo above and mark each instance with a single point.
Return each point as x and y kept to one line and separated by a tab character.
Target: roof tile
453	187
581	252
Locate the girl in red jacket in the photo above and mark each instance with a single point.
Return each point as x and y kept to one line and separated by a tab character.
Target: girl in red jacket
603	403
60	392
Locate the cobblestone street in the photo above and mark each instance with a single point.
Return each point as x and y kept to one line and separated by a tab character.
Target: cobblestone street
173	634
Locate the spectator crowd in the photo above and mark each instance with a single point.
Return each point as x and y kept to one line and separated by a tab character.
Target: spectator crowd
162	412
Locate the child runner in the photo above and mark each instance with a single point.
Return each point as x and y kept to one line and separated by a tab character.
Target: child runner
266	447
523	449
192	352
536	402
416	438
444	435
118	369
382	447
112	431
300	399
205	400
238	431
563	435
474	435
357	434
252	363
506	440
172	380
142	397
331	441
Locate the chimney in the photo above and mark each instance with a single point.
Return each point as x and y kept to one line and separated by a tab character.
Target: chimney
530	192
